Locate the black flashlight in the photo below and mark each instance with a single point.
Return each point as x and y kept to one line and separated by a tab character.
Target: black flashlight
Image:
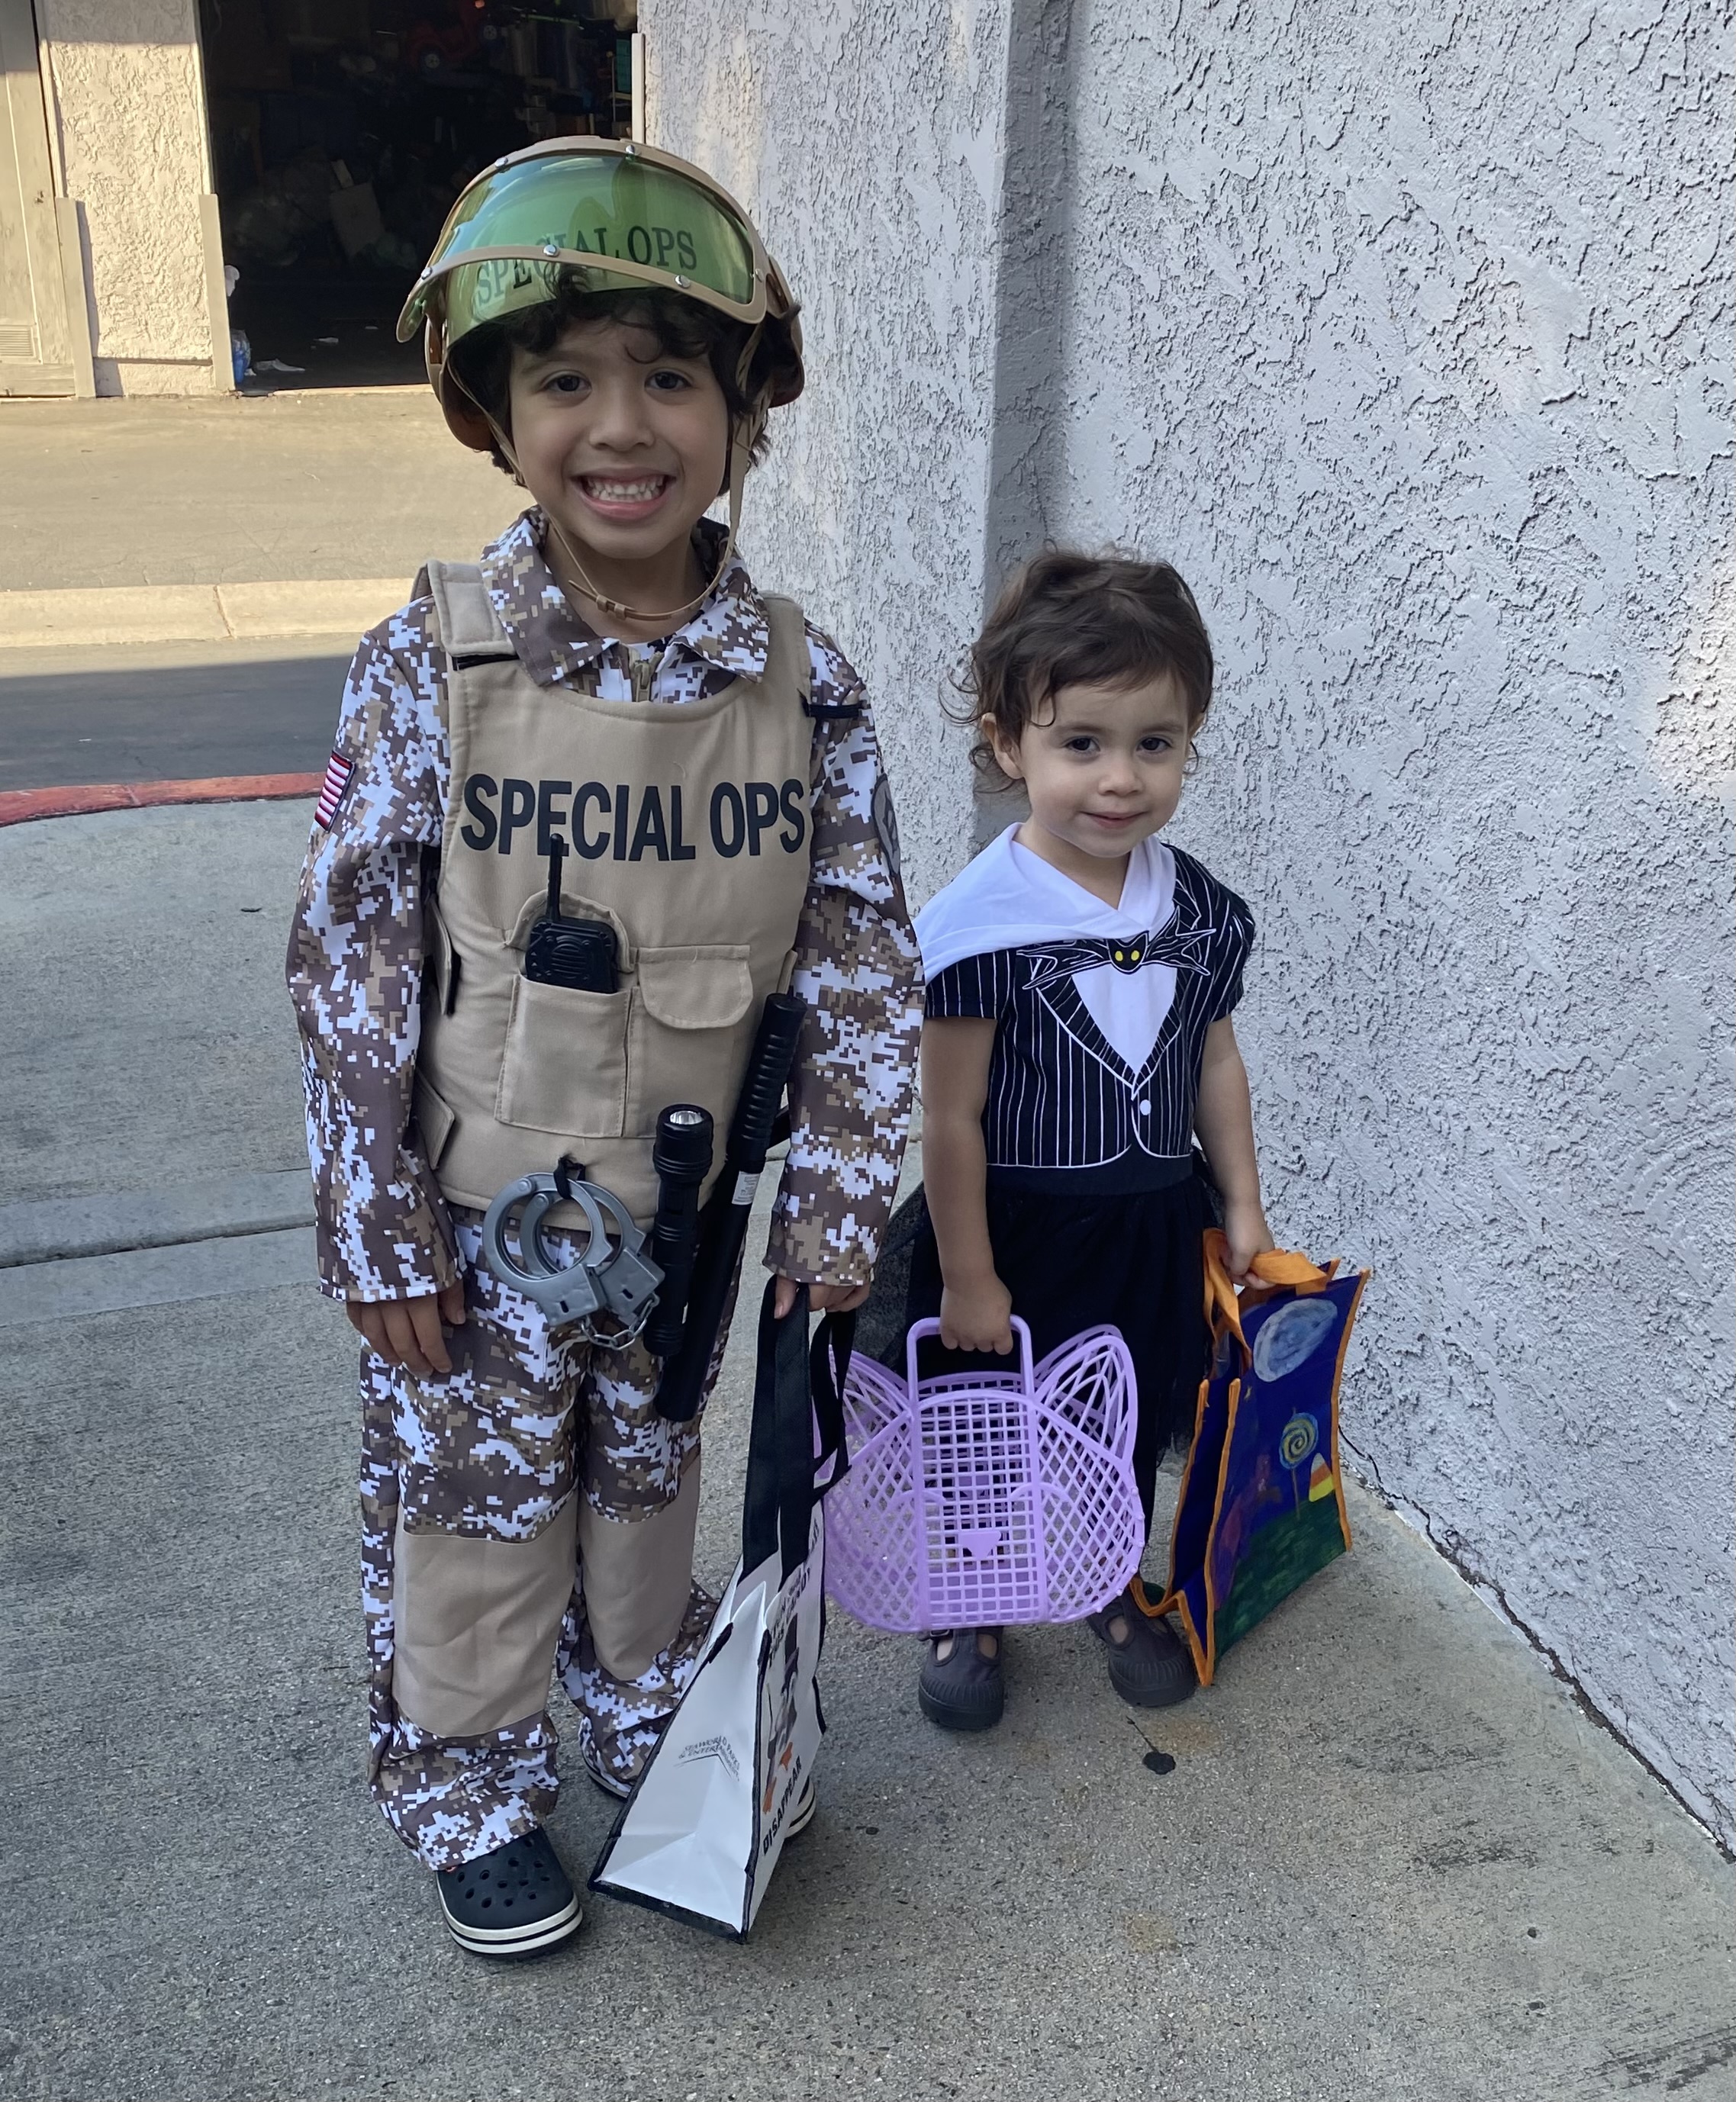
680	1154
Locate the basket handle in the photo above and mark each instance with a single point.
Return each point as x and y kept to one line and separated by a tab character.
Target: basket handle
919	1329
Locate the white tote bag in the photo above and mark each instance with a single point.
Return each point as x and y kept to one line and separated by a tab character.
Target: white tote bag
703	1829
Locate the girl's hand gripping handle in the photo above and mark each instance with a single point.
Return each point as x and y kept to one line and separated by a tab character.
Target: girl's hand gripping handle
977	1316
1272	1266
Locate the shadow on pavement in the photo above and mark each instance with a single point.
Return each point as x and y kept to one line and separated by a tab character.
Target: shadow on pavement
144	721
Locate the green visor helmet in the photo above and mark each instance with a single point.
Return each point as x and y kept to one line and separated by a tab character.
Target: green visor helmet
626	216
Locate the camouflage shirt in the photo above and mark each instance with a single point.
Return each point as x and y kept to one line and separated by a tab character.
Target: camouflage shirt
356	946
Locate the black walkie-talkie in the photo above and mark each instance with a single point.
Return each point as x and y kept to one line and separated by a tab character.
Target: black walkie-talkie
578	953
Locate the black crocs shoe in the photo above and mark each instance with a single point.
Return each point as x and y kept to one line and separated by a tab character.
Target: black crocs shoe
1150	1666
966	1693
512	1902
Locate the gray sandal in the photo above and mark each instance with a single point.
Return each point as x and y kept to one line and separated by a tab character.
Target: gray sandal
967	1691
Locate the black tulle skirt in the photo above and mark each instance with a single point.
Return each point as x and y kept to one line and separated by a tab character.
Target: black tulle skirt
1071	1263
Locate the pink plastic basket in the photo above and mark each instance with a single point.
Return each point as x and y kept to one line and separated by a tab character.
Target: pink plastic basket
986	1499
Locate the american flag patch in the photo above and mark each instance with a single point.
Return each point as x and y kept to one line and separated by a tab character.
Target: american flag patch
337	771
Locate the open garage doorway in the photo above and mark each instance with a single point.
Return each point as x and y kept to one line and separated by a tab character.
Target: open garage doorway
341	132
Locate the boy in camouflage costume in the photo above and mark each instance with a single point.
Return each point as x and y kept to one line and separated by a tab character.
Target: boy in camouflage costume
480	1426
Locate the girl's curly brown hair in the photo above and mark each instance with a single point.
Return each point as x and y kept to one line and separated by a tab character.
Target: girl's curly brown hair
1071	620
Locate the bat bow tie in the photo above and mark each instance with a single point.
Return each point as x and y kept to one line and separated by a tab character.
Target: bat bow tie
1184	952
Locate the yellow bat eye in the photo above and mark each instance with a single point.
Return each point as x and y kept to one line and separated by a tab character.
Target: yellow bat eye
1120	957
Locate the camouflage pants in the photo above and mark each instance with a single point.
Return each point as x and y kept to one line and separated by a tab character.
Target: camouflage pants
495	1451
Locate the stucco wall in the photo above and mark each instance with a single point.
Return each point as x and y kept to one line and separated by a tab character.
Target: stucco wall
866	141
1412	349
129	125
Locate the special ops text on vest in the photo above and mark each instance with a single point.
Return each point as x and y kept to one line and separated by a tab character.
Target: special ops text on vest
626	823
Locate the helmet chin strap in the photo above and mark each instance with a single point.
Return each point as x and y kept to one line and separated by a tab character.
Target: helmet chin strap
741	458
742	431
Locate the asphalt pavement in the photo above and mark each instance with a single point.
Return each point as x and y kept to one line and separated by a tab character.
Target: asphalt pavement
1386	1856
227	489
165	712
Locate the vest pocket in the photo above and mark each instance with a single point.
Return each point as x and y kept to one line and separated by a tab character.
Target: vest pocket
692	1020
564	1069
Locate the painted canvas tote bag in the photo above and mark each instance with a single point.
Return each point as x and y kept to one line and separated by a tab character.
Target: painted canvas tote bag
703	1829
1262	1503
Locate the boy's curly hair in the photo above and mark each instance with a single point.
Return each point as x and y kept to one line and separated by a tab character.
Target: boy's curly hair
1067	619
683	328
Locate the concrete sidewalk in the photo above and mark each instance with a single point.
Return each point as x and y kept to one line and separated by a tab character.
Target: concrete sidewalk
1386	1856
238	614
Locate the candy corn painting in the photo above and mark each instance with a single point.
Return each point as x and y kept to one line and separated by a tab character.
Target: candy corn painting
1262	1506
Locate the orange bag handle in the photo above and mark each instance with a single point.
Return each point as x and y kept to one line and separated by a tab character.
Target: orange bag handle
1274	1267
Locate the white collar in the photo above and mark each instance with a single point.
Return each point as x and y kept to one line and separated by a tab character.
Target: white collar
1009	898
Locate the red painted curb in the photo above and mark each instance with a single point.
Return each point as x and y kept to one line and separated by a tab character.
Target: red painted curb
18	806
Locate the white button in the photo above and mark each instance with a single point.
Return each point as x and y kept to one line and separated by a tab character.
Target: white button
1145	1108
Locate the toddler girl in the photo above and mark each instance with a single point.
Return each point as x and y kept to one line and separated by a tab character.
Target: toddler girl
1080	979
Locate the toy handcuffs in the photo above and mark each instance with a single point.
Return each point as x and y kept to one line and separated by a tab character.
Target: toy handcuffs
613	1279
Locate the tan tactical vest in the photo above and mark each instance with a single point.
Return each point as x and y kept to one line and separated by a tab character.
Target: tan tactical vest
687	830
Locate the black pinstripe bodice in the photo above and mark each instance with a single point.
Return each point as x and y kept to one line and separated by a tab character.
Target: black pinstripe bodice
1096	1062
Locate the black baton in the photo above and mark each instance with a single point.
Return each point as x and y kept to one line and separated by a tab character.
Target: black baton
723	1225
